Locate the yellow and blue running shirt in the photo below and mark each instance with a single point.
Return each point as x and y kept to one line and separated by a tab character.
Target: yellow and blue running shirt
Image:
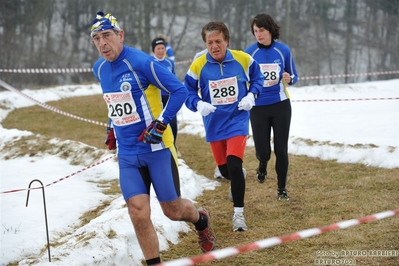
223	85
132	87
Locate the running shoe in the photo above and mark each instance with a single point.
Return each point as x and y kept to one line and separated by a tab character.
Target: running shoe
261	172
207	237
244	172
239	223
282	195
217	173
261	176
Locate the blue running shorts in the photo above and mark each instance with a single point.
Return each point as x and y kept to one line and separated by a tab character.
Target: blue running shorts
138	171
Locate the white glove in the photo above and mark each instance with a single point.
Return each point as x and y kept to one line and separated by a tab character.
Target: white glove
247	102
205	108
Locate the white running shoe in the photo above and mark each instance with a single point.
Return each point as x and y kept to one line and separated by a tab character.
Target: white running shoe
231	194
239	223
217	173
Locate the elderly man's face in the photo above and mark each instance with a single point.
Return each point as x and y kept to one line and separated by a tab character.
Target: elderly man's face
109	43
216	45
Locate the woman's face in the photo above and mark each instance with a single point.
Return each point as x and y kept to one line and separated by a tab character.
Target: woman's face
262	35
159	51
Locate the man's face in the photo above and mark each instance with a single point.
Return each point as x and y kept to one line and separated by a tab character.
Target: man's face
216	45
159	51
109	43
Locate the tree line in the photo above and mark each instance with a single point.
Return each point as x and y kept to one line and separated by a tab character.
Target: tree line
326	37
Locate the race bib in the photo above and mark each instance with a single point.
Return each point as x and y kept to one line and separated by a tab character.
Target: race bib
121	108
223	91
271	73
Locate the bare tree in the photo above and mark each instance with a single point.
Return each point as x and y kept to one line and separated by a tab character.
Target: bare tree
325	36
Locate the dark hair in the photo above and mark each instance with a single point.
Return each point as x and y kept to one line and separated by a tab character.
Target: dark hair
263	20
156	41
215	26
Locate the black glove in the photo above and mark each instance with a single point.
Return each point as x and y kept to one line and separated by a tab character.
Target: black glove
110	140
153	133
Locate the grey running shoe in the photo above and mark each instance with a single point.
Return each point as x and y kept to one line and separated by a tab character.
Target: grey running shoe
231	194
207	237
283	196
217	173
239	223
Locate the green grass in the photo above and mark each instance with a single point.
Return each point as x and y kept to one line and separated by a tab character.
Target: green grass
322	193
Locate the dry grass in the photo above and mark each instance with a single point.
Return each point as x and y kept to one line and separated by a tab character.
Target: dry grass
53	125
322	193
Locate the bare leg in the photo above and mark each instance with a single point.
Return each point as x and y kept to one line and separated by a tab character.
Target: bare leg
184	210
180	210
140	215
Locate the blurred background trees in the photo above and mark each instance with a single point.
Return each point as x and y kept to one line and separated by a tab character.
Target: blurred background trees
326	37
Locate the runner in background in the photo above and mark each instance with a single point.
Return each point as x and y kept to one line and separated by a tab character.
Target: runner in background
223	84
158	46
169	50
272	110
216	173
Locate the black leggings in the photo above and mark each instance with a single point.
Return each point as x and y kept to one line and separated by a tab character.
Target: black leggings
265	118
233	172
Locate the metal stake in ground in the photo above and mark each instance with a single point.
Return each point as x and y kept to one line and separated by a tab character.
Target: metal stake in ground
45	213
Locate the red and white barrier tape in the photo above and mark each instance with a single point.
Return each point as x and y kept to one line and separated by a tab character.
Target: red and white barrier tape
347	100
46	70
183	62
59	180
273	241
350	75
9	87
85	70
61	70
